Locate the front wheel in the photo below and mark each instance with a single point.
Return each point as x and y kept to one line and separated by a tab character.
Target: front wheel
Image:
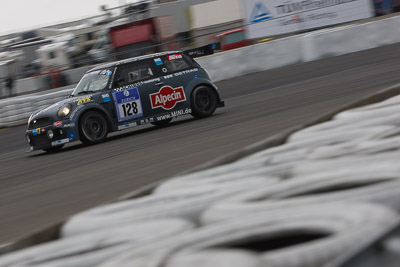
93	128
204	102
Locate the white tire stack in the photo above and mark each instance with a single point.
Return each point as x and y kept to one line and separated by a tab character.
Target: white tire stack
183	204
293	237
95	247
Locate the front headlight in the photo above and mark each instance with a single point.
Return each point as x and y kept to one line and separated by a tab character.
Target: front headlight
64	110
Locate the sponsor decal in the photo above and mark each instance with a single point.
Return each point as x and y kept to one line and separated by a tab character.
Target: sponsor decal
158	61
69	125
84	100
176	56
128	104
125	87
106	98
59	142
126	126
106	72
71	136
174	114
57	124
36	131
167	97
185	72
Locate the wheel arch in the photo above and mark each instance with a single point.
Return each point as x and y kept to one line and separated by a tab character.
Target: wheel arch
101	111
207	84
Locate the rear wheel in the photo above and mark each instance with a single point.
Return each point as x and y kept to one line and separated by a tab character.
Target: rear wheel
204	102
162	123
93	128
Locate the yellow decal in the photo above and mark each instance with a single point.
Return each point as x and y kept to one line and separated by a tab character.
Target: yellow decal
36	131
84	100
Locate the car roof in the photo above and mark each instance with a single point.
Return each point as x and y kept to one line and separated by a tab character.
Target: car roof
129	60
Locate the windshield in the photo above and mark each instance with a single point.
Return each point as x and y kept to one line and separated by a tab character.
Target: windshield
92	82
234	37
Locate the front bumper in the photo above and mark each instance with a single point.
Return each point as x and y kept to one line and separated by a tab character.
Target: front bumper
39	138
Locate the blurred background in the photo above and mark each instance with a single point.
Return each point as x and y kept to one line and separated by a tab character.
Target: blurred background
58	54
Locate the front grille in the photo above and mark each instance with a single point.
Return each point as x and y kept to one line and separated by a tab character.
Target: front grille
42	122
39	140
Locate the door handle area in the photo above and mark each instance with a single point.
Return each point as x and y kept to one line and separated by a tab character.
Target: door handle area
160	83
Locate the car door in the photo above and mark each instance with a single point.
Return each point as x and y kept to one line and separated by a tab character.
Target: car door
175	73
133	84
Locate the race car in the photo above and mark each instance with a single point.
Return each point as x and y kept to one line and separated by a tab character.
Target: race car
148	89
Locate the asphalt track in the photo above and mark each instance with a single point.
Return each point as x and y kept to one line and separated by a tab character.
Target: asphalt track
37	189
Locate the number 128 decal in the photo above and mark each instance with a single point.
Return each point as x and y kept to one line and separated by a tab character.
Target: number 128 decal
127	104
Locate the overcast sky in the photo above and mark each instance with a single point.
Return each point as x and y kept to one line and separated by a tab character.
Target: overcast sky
17	15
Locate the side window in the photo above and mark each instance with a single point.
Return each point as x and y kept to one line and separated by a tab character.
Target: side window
173	63
133	72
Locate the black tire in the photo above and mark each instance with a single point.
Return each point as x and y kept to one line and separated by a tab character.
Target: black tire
53	149
93	128
204	102
162	123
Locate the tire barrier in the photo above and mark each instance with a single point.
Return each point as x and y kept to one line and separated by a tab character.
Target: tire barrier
294	237
93	248
218	179
186	204
320	184
17	110
351	158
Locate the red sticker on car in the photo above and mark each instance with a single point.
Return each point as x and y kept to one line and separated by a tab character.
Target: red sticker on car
167	97
57	124
176	56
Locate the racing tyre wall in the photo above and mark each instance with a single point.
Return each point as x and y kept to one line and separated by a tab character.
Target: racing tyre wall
305	236
93	248
187	204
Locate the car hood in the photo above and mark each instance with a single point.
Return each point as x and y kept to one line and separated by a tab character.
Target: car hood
51	111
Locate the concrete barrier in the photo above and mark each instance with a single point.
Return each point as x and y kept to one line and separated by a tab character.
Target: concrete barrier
348	39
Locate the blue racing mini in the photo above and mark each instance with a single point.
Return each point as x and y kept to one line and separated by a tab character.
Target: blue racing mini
116	96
